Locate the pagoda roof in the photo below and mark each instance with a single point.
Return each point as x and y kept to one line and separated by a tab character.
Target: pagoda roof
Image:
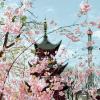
46	45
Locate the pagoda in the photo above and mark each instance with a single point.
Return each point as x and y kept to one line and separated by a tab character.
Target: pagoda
46	49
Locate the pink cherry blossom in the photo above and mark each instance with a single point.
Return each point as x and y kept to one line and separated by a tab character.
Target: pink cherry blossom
73	38
98	73
92	92
9	13
37	32
89	71
30	32
16	27
37	85
39	68
61	93
93	23
81	77
28	4
45	96
98	24
81	64
57	86
90	43
12	27
22	91
7	27
77	30
85	7
19	11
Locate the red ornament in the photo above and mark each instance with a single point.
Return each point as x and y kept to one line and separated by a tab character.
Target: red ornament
89	32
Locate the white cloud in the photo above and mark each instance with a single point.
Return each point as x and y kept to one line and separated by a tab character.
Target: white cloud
97	34
50	10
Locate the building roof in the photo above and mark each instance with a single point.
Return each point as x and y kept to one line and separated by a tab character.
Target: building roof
46	45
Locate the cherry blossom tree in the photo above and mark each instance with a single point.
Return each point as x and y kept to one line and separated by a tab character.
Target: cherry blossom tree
36	81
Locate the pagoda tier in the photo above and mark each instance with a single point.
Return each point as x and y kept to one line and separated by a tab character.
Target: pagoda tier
46	48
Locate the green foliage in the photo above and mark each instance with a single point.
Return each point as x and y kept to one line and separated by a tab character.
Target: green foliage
33	51
1	4
23	19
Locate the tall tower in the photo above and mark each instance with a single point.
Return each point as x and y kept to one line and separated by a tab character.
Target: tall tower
90	82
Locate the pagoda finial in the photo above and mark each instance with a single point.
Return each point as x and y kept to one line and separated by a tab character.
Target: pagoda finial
45	28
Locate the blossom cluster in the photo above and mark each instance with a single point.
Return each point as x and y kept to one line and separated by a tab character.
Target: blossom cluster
84	7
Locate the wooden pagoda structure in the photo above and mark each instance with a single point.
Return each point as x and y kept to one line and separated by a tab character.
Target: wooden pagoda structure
44	50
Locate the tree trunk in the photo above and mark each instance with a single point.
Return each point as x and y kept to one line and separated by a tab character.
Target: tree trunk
1	96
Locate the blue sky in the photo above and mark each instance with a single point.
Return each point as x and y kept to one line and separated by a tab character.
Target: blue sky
64	12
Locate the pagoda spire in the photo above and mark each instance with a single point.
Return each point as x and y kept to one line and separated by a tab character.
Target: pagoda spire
45	28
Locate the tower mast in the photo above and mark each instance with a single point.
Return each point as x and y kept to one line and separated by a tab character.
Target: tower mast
90	82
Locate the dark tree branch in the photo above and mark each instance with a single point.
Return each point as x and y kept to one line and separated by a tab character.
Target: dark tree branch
5	40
